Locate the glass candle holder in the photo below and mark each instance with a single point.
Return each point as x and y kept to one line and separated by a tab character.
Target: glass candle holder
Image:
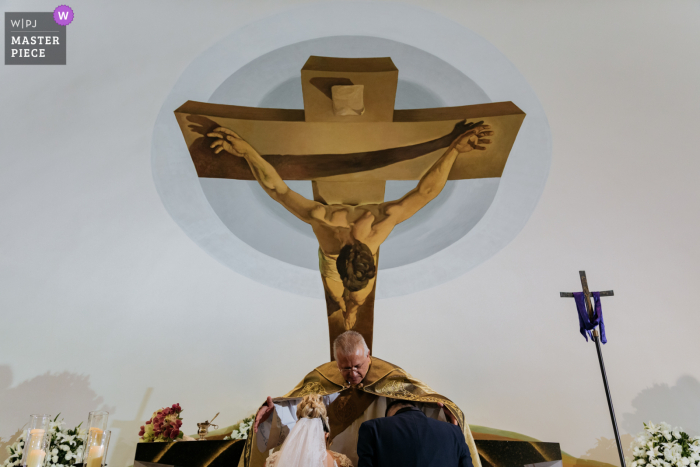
96	428
36	441
95	454
97	420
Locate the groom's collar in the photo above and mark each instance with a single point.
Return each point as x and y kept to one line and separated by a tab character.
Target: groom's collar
407	409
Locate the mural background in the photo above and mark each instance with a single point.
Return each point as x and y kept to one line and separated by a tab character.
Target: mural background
106	302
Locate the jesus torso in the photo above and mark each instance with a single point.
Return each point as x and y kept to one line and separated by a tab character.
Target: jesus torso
337	225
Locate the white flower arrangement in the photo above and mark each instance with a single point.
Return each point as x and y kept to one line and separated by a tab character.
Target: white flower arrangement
15	452
65	446
241	430
663	446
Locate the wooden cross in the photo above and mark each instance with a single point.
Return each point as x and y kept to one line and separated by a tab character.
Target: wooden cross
596	339
587	296
349	140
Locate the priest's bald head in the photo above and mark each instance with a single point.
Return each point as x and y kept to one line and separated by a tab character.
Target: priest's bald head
352	356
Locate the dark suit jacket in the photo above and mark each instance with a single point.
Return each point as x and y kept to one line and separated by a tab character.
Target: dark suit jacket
409	439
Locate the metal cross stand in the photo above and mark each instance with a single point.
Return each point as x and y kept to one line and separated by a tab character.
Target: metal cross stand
596	339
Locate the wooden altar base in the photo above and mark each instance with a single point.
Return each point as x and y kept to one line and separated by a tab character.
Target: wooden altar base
219	453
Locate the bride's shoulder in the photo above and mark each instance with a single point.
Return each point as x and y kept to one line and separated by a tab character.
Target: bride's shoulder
272	459
341	459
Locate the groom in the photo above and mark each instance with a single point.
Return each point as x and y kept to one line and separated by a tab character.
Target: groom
356	387
408	438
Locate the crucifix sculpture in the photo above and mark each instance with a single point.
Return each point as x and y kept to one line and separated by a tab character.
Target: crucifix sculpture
348	141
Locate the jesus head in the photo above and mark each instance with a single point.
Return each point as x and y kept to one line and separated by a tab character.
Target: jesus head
356	266
352	356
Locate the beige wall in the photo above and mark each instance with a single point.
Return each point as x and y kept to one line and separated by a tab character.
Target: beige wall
103	296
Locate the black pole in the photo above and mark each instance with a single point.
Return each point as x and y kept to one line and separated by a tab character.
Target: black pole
610	403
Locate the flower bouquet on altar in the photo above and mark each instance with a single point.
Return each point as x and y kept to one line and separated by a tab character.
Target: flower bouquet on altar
242	428
65	446
164	426
663	446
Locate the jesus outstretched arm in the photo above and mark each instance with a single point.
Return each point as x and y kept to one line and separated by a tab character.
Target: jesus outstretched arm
429	186
265	173
432	183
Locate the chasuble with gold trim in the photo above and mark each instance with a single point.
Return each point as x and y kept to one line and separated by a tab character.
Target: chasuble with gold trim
348	407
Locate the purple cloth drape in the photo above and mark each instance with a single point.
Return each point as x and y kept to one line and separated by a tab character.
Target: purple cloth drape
585	324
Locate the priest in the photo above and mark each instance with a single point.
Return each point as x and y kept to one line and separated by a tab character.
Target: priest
355	388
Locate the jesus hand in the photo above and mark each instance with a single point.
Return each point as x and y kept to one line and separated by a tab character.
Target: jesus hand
473	139
264	413
230	142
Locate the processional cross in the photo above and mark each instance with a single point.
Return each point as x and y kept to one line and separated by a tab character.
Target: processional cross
594	315
348	141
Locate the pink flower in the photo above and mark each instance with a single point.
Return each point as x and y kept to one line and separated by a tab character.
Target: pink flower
166	423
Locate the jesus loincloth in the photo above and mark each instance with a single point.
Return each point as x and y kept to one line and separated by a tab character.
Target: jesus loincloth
328	267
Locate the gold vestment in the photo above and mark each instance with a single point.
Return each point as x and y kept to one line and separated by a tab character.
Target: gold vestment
382	379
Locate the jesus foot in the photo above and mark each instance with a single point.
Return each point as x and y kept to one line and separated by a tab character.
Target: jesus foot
350	320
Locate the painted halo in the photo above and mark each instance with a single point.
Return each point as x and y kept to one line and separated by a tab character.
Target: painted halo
440	63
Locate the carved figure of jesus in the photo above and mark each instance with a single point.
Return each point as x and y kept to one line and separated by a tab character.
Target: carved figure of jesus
349	236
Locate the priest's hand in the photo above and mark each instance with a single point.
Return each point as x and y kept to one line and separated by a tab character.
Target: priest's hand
448	415
264	413
229	141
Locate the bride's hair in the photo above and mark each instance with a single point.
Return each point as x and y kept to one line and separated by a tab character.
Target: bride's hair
312	406
306	445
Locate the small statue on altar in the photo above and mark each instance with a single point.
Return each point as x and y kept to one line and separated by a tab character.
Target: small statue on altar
203	428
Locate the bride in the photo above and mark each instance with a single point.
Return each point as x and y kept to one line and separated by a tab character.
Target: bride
306	444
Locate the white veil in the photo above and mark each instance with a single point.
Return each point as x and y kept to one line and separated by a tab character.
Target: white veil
305	446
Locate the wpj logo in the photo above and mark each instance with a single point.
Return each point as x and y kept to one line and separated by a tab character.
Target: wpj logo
37	38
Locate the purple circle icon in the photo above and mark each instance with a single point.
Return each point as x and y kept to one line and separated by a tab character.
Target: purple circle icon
63	15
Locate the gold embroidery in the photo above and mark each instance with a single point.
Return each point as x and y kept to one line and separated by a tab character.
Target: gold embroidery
406	388
394	388
311	385
311	388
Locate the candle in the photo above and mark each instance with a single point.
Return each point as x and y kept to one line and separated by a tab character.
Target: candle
94	458
36	438
34	445
95	451
36	458
95	436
